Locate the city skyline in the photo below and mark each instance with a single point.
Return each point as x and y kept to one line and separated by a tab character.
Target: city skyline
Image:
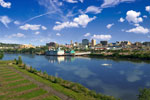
41	21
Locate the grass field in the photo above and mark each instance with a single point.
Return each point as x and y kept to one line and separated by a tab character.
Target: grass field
13	86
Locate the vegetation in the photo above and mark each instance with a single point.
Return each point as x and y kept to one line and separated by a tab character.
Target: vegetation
144	94
1	55
144	55
15	87
77	89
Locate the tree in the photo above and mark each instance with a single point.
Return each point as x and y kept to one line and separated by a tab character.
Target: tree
144	94
20	60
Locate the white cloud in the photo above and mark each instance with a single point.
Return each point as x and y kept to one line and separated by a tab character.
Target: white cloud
16	22
58	34
87	34
144	16
121	20
71	1
44	28
109	25
81	1
93	9
82	20
5	4
5	20
18	35
30	27
134	17
102	37
37	33
65	25
139	30
111	3
147	8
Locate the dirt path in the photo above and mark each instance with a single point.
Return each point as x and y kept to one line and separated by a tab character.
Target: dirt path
42	85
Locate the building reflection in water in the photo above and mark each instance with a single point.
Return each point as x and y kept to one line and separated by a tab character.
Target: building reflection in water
59	59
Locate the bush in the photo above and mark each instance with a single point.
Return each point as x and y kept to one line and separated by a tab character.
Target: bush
144	94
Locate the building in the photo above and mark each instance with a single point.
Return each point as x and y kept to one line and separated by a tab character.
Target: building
85	42
26	46
125	43
138	44
93	42
104	43
52	44
147	44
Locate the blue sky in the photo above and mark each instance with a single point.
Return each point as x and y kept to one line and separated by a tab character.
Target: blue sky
41	21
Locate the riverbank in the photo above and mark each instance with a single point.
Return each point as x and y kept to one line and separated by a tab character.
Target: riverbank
70	89
145	56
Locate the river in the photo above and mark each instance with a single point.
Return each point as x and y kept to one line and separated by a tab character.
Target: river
119	78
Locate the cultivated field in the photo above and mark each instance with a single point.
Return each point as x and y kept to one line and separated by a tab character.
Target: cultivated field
15	86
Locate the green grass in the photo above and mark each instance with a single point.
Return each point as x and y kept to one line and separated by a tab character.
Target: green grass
33	94
14	79
23	88
68	92
10	76
18	83
52	98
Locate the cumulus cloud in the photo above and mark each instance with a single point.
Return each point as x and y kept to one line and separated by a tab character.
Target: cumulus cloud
82	20
102	37
58	34
44	28
71	1
87	34
93	9
147	8
111	3
16	22
5	4
18	35
144	16
37	33
134	17
30	27
5	20
121	20
65	25
109	25
139	30
74	1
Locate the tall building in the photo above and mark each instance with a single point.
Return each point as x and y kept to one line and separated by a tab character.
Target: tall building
93	42
85	42
71	42
104	43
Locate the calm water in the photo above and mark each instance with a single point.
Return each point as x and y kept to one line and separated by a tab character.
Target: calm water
121	79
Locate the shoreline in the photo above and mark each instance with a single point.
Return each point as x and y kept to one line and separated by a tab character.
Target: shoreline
71	89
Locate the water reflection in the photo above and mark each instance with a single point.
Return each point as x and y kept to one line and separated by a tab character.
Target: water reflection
59	59
117	77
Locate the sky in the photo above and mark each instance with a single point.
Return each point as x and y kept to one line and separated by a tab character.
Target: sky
38	22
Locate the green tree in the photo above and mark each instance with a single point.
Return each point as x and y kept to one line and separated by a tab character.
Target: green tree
20	60
144	94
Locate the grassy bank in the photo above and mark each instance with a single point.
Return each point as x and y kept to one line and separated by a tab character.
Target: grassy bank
13	86
73	90
138	55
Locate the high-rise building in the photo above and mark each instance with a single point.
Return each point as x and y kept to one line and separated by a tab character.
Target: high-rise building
104	43
85	42
71	42
93	42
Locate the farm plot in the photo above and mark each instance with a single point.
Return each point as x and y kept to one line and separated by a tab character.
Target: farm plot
13	86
